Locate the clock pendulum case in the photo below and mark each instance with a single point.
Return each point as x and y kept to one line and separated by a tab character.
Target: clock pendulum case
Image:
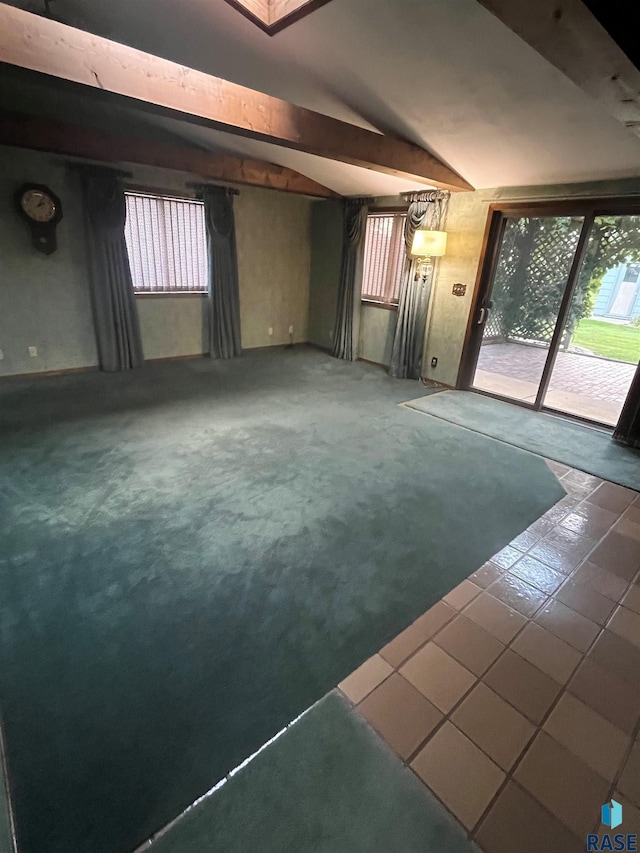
42	210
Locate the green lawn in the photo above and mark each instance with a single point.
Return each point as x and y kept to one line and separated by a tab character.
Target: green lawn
609	339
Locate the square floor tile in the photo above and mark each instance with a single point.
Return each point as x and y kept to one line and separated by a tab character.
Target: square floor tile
614	699
365	679
586	734
581	478
558	467
625	623
469	644
496	618
629	782
575	544
586	601
564	784
617	554
486	575
600	580
517	823
417	634
612	497
537	574
458	773
400	714
617	655
541	527
570	626
554	557
440	678
632	598
495	726
523	685
518	594
633	511
506	557
559	510
628	527
548	652
461	595
526	540
589	520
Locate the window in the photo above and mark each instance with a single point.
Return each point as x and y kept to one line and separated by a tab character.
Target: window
384	257
167	244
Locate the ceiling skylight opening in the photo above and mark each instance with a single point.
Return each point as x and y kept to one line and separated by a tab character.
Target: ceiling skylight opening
274	15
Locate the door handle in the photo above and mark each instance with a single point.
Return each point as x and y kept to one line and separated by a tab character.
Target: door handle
483	314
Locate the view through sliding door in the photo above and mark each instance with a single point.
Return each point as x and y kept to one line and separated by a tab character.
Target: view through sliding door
558	321
599	346
521	309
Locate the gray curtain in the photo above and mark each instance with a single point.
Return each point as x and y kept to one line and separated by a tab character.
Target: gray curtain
426	210
224	292
115	313
347	326
628	429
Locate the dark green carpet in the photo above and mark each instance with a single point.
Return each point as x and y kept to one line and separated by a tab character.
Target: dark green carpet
192	554
585	448
327	785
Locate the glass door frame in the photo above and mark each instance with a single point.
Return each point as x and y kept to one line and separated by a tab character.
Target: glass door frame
498	216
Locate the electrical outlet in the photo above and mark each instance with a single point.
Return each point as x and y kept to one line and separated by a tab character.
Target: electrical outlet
33	352
270	331
290	330
434	362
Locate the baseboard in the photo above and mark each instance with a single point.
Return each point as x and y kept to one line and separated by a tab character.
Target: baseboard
63	371
176	358
375	363
431	383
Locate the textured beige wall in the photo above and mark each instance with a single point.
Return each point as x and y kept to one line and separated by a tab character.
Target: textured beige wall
377	327
273	232
448	314
44	301
173	325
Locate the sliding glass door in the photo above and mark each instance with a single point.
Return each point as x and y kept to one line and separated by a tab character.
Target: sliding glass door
599	345
557	319
521	310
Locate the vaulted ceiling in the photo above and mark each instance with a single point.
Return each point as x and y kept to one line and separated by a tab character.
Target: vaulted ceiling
444	74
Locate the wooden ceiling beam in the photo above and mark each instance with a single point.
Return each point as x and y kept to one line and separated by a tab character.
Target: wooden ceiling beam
57	137
48	47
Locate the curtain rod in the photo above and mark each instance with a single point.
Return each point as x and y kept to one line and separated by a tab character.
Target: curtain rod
192	185
81	167
426	195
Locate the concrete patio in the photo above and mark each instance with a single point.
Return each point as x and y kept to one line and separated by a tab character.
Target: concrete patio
584	385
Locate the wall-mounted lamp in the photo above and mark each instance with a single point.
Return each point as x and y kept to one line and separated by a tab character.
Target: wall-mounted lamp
427	245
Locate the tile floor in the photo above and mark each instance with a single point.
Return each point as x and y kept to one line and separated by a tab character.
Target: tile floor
516	699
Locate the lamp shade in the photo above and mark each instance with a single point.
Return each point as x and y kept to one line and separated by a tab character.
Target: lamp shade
431	244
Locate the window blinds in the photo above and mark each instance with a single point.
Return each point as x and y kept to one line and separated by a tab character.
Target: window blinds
166	242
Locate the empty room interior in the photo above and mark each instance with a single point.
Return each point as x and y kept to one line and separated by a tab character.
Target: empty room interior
319	426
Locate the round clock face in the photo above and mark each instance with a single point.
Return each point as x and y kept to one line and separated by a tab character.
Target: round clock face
38	205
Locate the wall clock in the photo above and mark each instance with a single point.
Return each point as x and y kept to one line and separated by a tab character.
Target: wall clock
42	210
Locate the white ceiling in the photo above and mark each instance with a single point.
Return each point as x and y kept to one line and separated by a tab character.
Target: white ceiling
444	74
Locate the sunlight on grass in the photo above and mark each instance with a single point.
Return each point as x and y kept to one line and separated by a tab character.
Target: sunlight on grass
609	339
